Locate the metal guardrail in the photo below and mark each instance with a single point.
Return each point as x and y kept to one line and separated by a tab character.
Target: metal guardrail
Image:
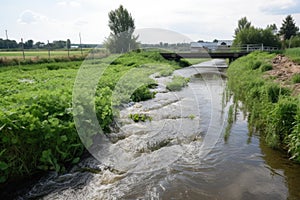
245	48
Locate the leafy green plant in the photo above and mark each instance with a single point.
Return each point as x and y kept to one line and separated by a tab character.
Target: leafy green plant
191	116
142	93
140	117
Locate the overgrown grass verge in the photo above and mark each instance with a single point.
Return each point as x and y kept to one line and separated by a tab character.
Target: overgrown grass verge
37	130
293	54
273	111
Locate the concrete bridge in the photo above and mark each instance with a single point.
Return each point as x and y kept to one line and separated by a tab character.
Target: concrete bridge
230	53
224	55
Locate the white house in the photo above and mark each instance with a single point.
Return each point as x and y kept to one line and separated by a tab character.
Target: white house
211	46
203	46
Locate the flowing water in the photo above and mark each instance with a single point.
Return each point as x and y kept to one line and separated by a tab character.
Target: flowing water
180	153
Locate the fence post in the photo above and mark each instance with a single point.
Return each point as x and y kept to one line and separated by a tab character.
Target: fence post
23	49
48	50
262	46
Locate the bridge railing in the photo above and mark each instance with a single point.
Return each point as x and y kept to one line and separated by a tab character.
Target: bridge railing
246	48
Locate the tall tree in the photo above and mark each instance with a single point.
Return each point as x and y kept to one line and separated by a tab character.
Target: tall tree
288	28
122	26
243	23
273	28
254	35
28	44
68	44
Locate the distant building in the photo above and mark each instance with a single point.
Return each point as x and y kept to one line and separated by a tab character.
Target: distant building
211	46
227	43
203	46
74	46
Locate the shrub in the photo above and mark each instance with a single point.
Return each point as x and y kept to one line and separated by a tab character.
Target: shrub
142	93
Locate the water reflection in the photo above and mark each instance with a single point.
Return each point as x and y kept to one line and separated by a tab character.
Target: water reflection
279	165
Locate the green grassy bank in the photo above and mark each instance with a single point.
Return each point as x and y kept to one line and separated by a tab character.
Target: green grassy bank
37	130
272	109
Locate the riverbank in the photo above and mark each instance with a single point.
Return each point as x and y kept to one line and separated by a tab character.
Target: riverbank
268	86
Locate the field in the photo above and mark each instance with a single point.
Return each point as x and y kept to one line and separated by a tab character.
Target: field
42	53
36	112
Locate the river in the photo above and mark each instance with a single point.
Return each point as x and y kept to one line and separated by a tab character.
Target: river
180	153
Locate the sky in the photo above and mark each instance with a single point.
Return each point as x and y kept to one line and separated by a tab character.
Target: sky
155	20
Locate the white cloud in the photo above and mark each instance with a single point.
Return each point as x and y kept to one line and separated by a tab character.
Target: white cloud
279	4
198	19
281	7
30	17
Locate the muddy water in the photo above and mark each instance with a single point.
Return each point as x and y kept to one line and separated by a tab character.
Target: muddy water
180	153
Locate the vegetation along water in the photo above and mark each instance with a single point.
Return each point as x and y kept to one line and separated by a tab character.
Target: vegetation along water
36	119
269	93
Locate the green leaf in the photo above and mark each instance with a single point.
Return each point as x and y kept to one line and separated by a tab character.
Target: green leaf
75	160
1	153
2	127
64	138
3	165
3	179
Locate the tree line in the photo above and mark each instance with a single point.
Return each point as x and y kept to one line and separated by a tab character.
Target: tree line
29	44
287	36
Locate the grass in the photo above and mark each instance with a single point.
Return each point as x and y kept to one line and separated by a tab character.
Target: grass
273	111
266	67
10	58
41	53
296	78
293	54
177	83
229	123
